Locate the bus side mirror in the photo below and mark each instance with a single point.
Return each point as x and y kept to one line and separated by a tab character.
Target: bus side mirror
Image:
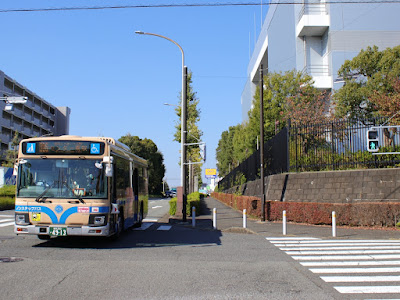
109	170
108	160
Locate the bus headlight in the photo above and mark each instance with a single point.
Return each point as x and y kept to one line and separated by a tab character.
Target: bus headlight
98	220
22	219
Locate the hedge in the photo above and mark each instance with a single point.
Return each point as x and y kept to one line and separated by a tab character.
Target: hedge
7	197
193	199
355	214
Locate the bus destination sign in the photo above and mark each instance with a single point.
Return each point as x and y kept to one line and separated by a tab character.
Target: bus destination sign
63	148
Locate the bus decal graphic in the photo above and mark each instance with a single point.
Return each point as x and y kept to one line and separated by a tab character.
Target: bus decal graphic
52	215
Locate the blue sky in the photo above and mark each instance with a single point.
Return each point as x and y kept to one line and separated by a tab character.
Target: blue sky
116	82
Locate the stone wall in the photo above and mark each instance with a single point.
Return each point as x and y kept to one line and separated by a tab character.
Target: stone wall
352	186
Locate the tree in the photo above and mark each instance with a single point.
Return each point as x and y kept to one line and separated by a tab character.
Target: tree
194	134
278	88
12	154
224	151
147	149
370	72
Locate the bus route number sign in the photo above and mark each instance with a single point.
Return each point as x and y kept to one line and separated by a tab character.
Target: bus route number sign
63	148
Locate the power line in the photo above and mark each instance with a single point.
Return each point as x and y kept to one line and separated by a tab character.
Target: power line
51	9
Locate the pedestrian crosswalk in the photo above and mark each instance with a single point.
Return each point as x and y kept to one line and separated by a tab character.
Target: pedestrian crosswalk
6	220
352	266
147	225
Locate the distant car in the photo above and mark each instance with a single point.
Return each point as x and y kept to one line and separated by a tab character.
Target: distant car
170	194
173	192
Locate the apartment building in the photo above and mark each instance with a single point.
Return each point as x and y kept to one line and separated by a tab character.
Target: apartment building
35	118
316	37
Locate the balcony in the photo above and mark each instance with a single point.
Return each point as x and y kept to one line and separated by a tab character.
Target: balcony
313	20
321	76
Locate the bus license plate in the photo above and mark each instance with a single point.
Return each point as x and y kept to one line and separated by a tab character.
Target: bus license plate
58	231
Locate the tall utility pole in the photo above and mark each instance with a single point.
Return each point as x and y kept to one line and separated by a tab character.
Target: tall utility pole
262	143
183	141
183	120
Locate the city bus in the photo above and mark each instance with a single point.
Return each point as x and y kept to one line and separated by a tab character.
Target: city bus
78	186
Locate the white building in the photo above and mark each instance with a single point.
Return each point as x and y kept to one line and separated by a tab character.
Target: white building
316	37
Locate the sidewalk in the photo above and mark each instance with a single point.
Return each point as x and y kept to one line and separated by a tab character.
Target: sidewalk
230	220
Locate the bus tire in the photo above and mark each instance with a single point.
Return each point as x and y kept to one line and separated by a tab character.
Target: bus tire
119	224
140	217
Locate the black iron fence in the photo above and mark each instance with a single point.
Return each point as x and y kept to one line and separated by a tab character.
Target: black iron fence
335	145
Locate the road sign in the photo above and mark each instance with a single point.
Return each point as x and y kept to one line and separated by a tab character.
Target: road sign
211	173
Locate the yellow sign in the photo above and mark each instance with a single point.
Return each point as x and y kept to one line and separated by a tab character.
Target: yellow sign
211	172
36	217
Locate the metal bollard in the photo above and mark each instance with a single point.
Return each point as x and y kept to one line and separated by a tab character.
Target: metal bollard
215	218
244	218
193	216
284	222
334	224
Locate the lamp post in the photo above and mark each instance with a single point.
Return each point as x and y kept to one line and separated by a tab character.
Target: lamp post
183	120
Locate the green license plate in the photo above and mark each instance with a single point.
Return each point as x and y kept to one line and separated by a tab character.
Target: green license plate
58	231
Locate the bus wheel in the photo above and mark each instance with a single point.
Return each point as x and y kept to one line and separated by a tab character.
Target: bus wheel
140	218
43	237
119	225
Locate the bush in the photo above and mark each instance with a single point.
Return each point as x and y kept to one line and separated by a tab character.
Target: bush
193	199
7	203
7	197
7	191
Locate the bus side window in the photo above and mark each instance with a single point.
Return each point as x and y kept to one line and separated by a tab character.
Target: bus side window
114	186
135	181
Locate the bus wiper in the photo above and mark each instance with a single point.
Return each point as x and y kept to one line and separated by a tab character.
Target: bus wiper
43	193
77	196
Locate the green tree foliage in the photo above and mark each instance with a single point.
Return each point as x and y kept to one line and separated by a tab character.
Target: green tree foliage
224	155
290	95
370	72
194	134
11	155
147	149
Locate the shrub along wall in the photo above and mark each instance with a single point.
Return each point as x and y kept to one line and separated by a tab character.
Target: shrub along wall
353	214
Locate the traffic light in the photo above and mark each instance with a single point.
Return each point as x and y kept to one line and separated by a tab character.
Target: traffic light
372	140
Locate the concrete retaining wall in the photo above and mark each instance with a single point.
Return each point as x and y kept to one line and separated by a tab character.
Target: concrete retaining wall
352	186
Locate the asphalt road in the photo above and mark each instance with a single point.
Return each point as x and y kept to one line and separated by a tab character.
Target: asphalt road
160	261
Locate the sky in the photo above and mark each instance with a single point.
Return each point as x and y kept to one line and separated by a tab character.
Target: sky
116	82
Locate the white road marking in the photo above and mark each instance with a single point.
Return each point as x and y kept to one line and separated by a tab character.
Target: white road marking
347	257
351	263
7	224
337	244
337	248
291	238
395	278
355	270
164	227
157	206
144	226
315	240
150	220
6	220
322	252
368	289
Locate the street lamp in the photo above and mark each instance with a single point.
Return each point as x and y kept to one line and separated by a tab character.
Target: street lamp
10	100
183	120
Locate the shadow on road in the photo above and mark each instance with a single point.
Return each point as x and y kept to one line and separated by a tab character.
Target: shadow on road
179	236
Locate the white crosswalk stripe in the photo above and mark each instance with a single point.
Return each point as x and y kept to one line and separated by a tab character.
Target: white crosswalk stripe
147	225
355	264
6	220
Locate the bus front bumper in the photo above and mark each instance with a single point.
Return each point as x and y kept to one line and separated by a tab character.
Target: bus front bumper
70	230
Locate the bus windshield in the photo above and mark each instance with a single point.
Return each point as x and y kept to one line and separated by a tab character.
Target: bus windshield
61	178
